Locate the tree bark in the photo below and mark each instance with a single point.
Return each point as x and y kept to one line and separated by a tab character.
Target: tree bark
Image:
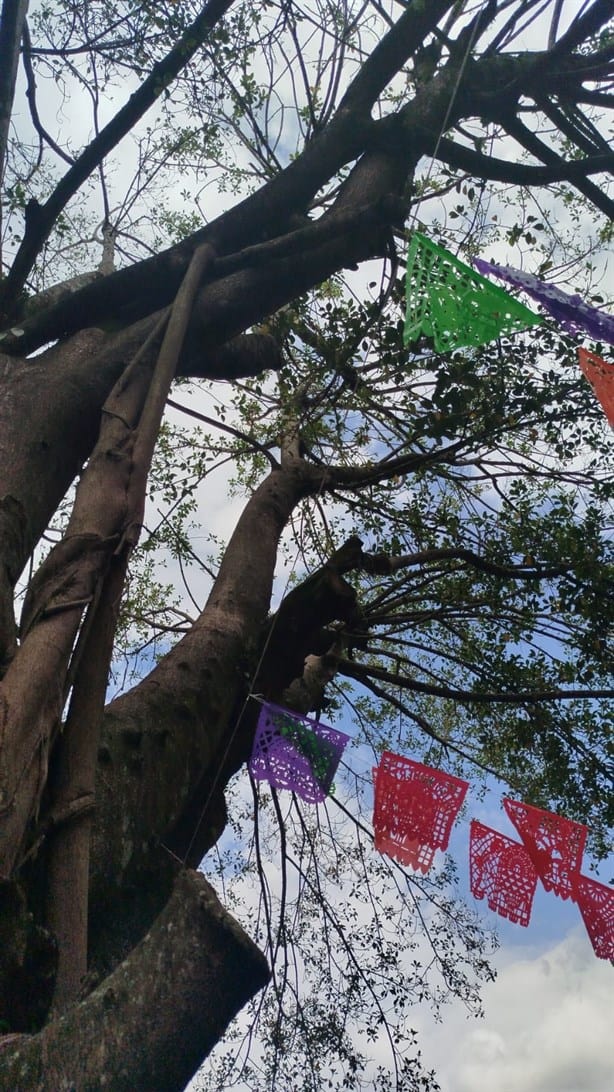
159	738
12	19
153	1021
60	395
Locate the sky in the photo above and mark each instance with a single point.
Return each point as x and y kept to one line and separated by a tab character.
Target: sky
547	1024
548	1015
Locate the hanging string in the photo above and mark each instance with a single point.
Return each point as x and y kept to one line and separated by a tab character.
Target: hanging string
575	317
444	125
571	312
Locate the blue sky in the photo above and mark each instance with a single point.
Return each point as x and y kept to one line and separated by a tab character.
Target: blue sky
547	1016
547	1022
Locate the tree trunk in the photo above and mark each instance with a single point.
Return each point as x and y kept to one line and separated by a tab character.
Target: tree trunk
149	1025
159	738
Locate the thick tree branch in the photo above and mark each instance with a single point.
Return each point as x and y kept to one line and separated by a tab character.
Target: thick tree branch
571	123
528	140
521	174
164	373
232	275
226	307
183	983
383	563
349	477
151	283
12	21
285	195
395	48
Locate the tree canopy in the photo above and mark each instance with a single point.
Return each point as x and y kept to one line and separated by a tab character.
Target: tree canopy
227	479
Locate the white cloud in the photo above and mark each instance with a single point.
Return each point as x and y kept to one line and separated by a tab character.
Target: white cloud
547	1027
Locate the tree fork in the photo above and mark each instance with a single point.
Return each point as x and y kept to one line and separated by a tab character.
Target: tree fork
61	394
161	737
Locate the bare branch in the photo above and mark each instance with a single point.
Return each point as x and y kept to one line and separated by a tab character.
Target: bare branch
584	27
31	97
41	218
521	174
247	440
358	671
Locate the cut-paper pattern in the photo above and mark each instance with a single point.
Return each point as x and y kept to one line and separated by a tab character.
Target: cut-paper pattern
451	304
502	871
600	375
596	902
296	753
574	315
554	844
414	811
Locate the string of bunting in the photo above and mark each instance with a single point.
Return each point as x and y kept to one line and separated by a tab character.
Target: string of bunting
574	315
451	306
415	808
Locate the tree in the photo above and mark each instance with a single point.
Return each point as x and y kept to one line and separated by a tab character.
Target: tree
479	611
